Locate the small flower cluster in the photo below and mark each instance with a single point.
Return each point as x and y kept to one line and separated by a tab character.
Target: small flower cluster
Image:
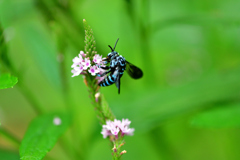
115	127
81	63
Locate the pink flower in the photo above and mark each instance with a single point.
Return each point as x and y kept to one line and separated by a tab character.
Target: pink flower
80	65
126	122
115	127
93	70
97	59
77	70
82	54
126	130
77	61
86	63
105	132
77	65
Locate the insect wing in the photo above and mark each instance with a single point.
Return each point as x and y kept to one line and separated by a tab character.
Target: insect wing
133	71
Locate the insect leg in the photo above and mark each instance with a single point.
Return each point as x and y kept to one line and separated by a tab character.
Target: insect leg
105	60
105	68
101	75
118	83
116	76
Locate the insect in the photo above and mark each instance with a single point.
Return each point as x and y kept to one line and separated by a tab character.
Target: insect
116	65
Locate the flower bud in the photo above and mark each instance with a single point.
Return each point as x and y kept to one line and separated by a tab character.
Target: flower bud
123	152
114	148
97	95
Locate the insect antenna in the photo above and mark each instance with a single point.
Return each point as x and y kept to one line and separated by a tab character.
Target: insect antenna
110	47
115	44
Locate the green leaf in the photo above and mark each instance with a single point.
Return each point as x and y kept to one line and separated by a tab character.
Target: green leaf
8	155
42	134
7	81
226	116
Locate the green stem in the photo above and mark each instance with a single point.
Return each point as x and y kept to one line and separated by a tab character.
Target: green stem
102	109
93	86
10	137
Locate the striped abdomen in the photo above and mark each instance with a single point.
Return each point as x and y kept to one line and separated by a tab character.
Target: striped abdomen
111	78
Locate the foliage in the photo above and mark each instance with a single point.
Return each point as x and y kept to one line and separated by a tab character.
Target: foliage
7	81
42	134
185	107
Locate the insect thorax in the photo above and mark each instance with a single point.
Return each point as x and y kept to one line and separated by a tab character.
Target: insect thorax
112	55
118	61
121	60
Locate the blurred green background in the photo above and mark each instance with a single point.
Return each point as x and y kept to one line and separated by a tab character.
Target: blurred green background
187	105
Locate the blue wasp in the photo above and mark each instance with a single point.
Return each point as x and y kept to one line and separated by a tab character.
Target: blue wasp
116	65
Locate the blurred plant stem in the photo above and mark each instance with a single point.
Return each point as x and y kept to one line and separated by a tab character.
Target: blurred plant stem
62	15
12	138
159	140
144	33
30	97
